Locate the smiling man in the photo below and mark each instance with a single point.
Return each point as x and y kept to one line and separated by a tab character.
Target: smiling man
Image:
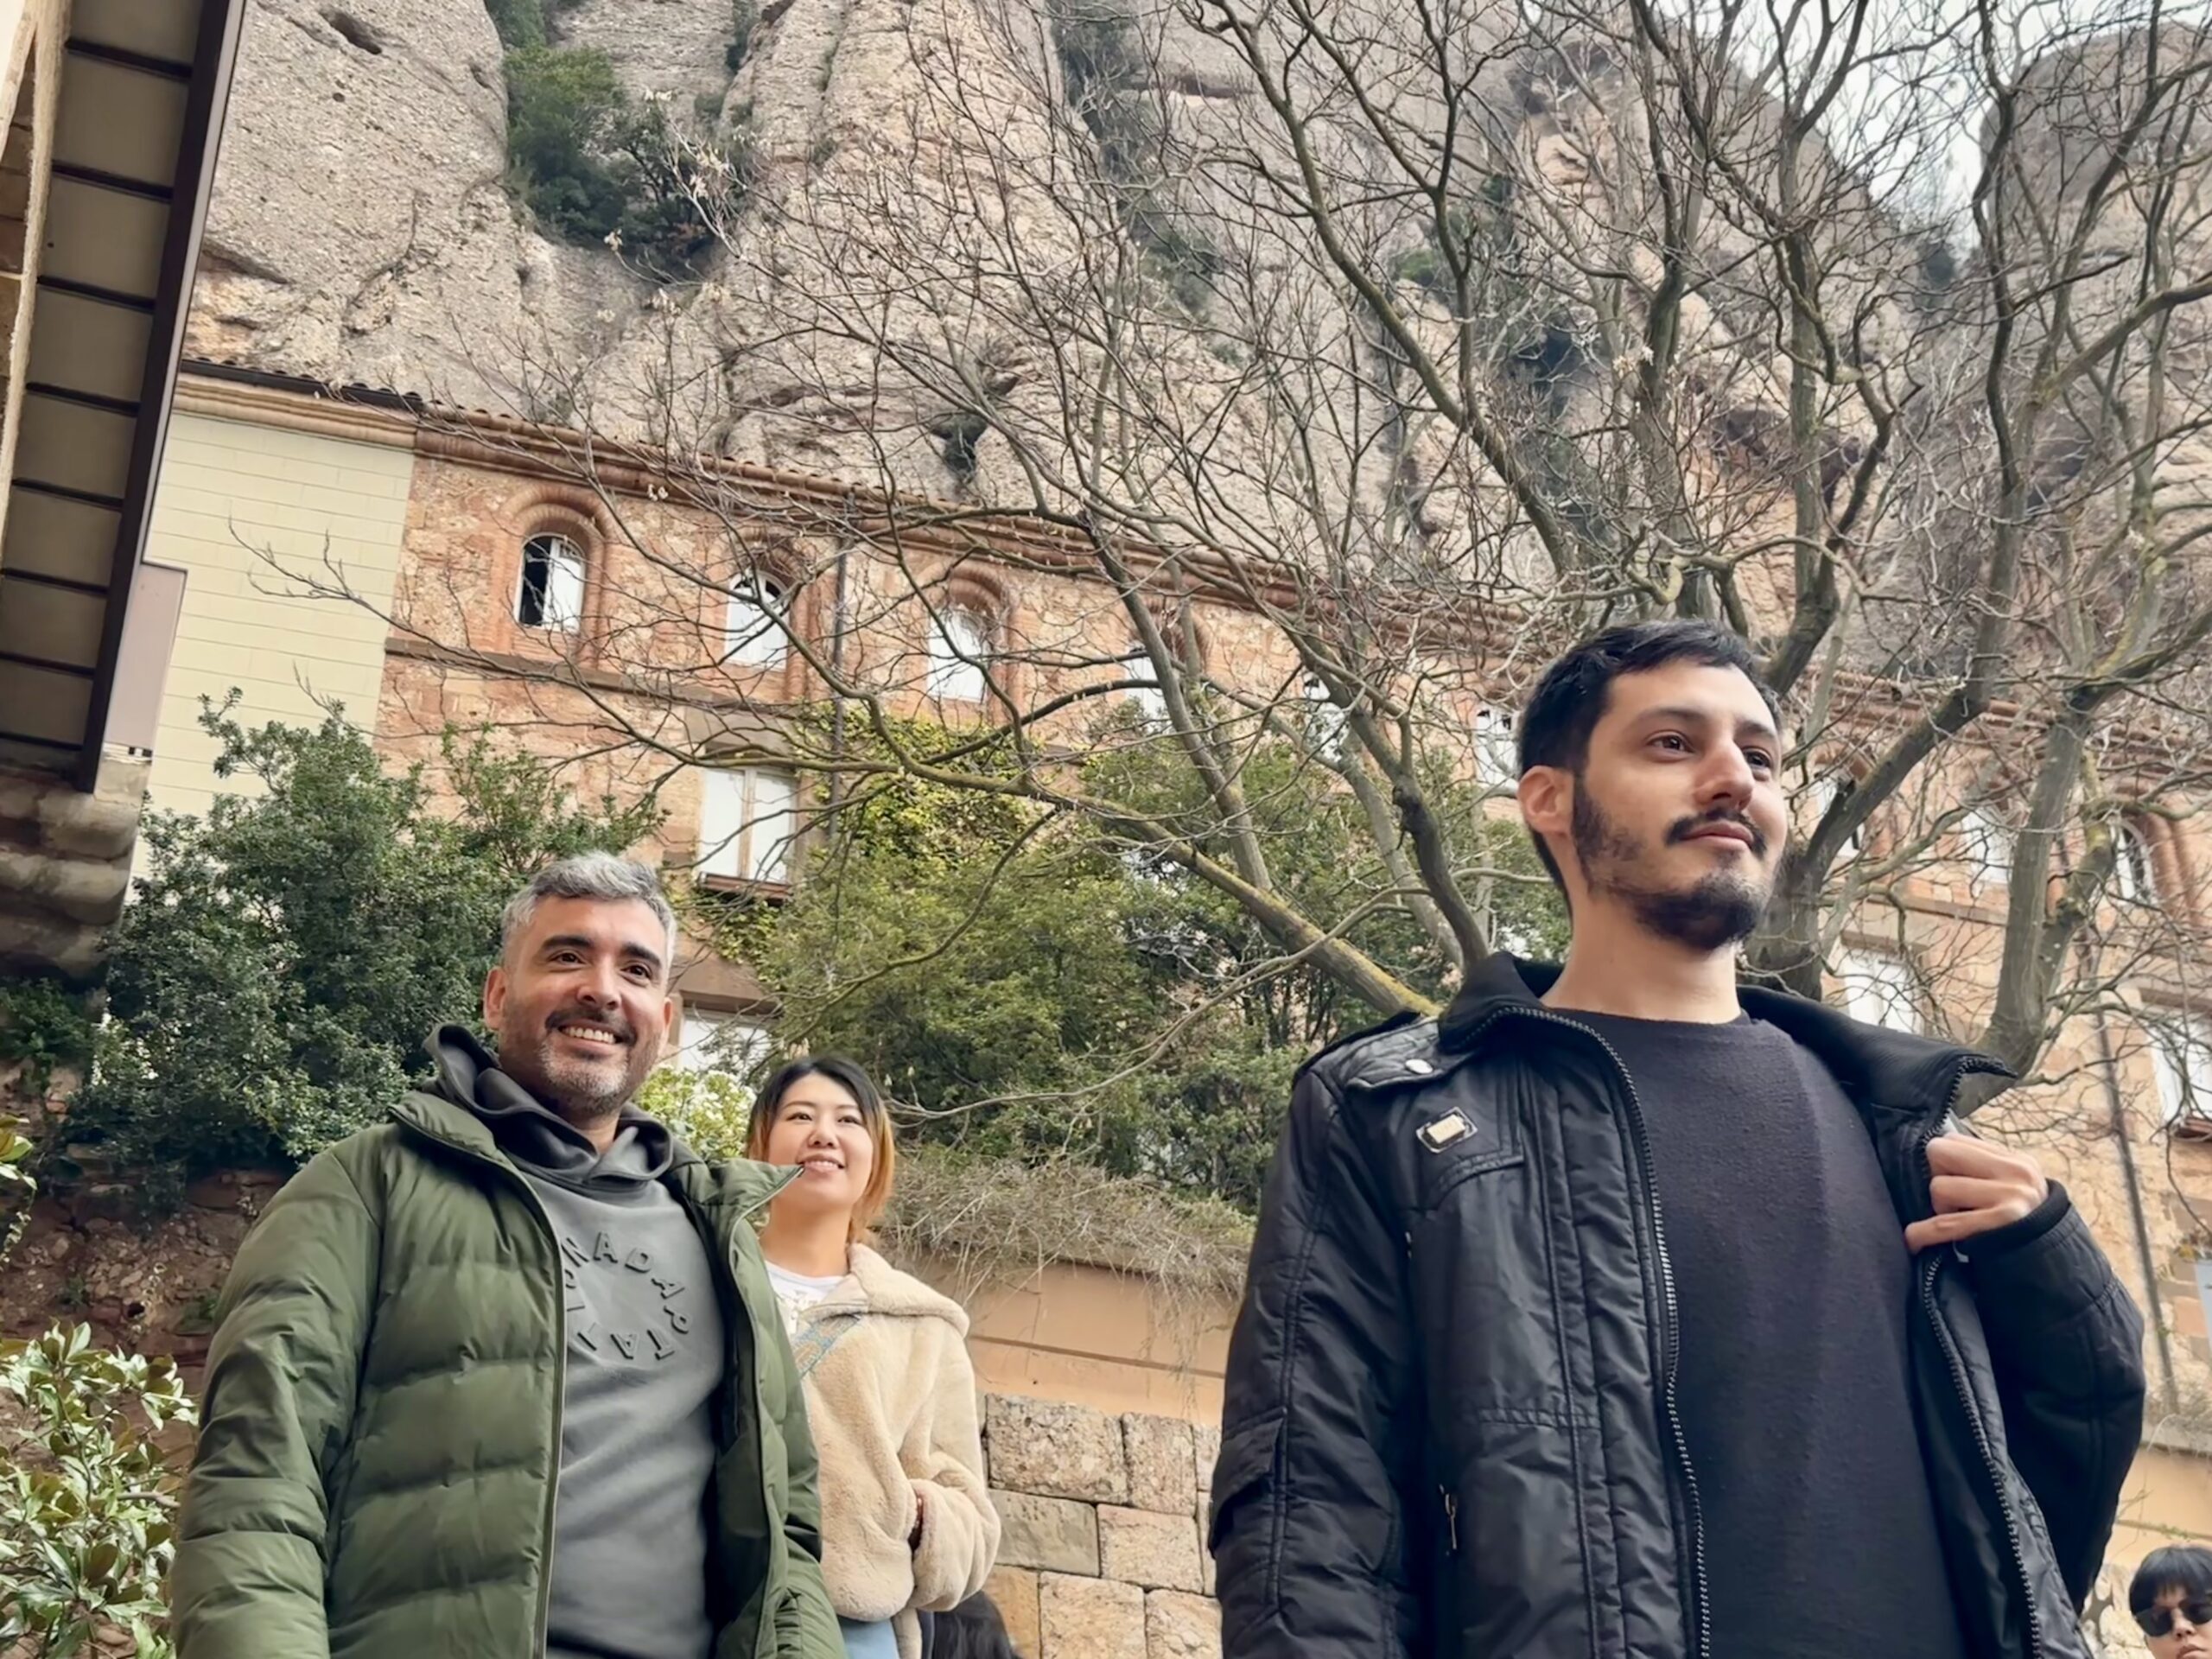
1622	1312
504	1377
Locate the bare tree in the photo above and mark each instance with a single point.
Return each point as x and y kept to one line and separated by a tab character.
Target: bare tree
1217	375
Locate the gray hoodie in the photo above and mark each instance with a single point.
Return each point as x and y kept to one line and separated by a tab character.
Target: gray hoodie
644	1353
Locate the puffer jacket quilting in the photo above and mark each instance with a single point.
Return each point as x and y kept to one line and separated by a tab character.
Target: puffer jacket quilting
380	1429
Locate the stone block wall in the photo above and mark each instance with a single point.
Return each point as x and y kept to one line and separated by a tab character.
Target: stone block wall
1103	1553
65	865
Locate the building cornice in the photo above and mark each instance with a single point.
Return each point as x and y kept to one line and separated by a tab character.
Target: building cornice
810	504
229	399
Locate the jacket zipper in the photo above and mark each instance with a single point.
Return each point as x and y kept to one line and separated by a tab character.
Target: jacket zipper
1669	1329
560	1364
1928	1273
736	1312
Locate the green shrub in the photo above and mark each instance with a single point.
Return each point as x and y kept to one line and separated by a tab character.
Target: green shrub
708	1109
17	1188
562	107
744	18
1036	992
525	22
269	989
42	1028
520	22
592	167
87	1503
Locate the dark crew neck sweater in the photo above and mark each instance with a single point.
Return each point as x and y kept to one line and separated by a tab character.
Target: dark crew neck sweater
1794	1285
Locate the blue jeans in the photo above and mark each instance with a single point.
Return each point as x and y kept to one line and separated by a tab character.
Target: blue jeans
875	1640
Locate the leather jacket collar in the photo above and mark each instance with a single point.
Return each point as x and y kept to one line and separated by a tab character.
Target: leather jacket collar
1877	1066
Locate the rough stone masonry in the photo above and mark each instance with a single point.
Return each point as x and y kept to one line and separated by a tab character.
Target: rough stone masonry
1103	1553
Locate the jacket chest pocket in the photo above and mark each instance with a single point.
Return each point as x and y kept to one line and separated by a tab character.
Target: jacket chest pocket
1474	1142
1446	1131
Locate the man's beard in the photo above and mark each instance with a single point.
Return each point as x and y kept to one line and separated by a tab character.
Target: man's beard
1724	908
579	1090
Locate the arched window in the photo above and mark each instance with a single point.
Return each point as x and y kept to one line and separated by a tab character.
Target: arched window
1819	798
1878	988
1143	691
2181	1054
961	645
550	592
2134	875
1327	721
757	620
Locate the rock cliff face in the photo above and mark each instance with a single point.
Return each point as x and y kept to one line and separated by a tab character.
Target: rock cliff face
363	231
359	231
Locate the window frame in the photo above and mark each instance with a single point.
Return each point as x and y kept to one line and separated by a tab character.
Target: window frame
1327	723
1852	967
1150	702
581	553
2134	882
944	658
773	619
1495	730
1980	830
737	842
1822	790
2181	1063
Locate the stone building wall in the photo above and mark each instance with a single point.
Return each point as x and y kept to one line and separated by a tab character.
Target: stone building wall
1103	1553
65	864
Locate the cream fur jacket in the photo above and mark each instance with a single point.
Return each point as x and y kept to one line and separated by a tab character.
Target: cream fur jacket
891	1398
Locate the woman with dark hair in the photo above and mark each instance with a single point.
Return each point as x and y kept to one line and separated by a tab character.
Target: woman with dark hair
2172	1599
907	1523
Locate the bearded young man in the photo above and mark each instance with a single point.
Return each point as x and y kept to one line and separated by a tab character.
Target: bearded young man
504	1377
1623	1312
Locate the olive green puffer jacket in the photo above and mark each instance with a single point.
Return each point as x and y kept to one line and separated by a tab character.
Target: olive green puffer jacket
381	1428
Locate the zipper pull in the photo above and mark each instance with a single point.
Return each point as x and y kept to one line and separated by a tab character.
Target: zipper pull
1451	1518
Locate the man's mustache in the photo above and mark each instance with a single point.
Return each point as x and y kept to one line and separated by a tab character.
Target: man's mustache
1683	828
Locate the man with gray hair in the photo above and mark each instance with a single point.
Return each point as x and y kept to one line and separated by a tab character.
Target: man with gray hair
504	1375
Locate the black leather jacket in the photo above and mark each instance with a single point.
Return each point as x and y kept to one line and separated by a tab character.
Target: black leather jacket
1449	1427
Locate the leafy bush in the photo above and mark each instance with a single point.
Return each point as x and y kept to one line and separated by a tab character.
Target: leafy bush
17	1188
270	987
519	22
525	22
1107	71
1037	992
86	1500
708	1109
42	1028
562	110
744	18
977	1221
87	1503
